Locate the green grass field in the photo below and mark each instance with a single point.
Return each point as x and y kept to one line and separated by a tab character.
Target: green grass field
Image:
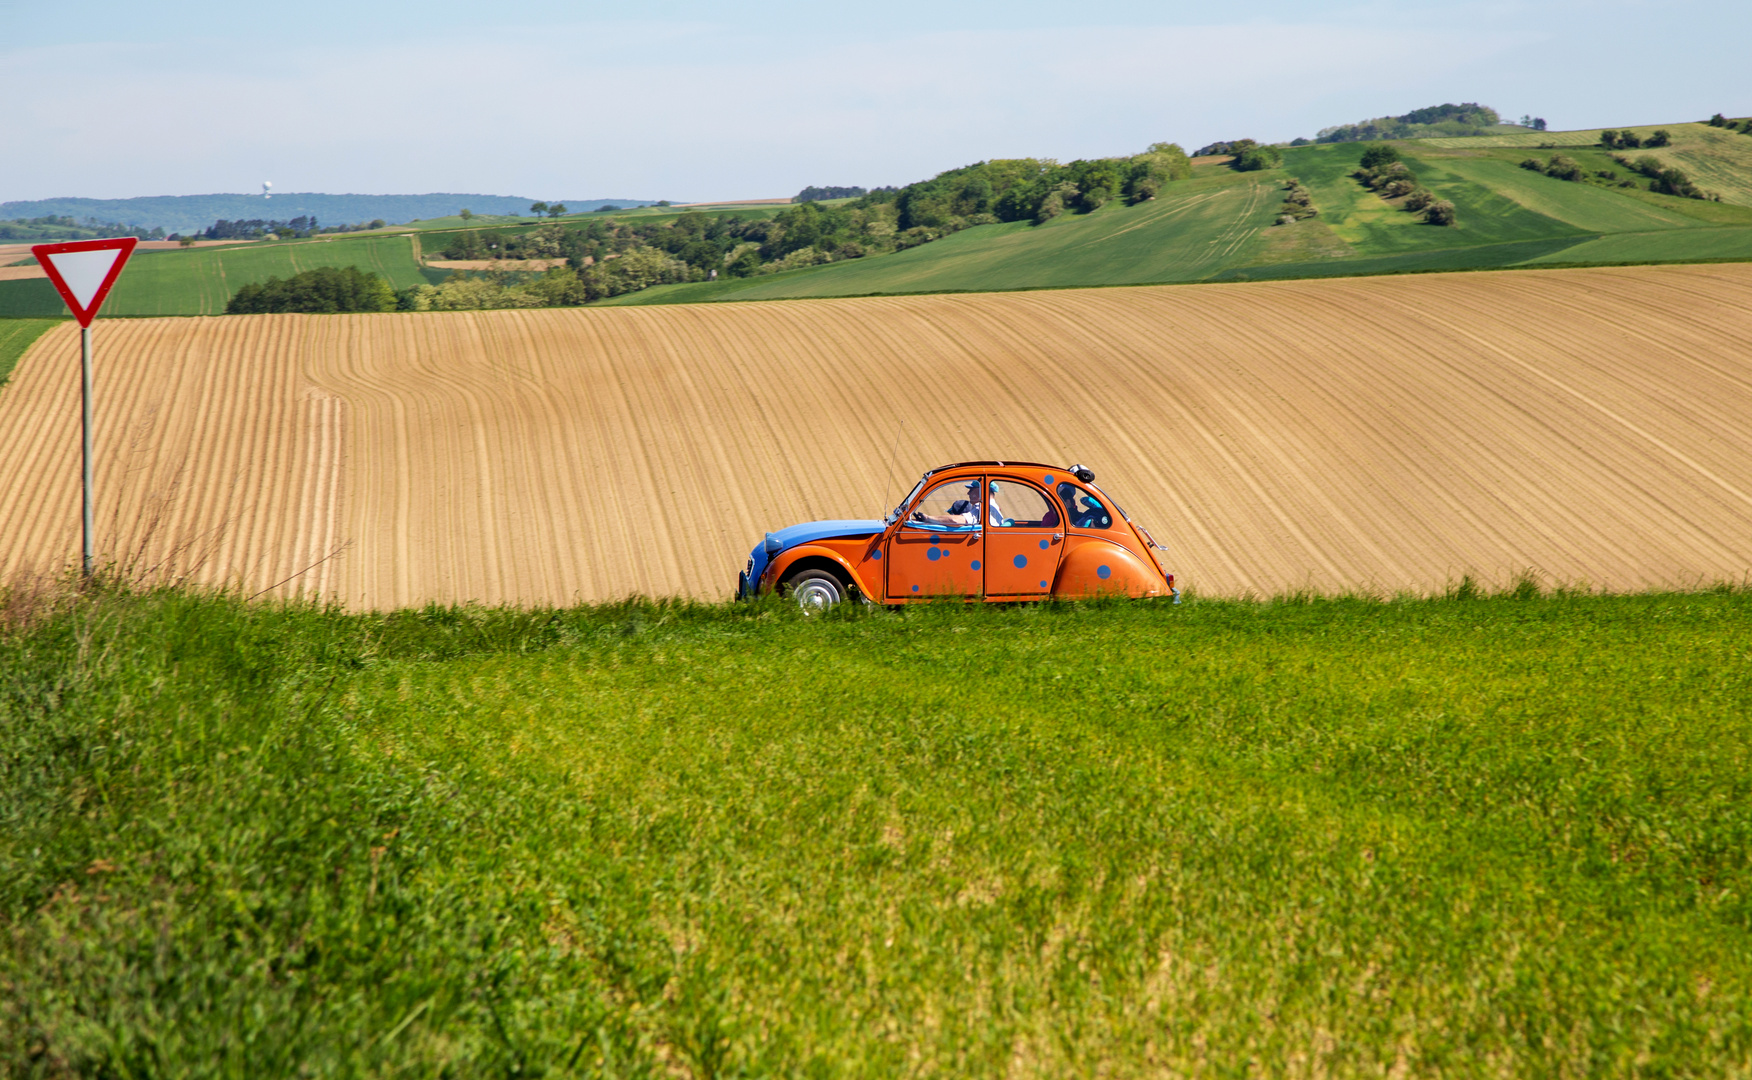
200	281
17	335
1458	837
1219	226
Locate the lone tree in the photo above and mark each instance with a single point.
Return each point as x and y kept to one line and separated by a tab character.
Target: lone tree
1378	155
538	208
556	209
466	213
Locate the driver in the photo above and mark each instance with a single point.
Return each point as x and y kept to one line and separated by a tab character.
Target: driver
962	512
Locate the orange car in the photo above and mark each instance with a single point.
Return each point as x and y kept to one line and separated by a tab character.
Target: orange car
977	530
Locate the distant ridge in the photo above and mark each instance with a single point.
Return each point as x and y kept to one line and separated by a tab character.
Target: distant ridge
185	213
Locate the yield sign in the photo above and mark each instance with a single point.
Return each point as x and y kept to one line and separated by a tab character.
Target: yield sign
84	270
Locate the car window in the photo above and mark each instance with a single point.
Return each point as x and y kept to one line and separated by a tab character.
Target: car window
1083	509
952	505
1015	505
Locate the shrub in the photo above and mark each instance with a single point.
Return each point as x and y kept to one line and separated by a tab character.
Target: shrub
1718	120
1609	138
1419	199
1095	198
1255	158
1145	190
326	290
1533	164
1629	140
1378	154
1661	137
1403	185
1563	168
1440	212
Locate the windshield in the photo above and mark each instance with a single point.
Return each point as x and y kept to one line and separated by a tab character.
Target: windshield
894	513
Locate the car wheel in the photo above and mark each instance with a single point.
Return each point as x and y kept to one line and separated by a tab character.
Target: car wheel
815	590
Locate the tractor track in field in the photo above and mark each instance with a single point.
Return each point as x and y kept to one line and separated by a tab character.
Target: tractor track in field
1383	434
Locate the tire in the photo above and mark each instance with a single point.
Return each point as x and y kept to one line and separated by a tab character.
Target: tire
815	590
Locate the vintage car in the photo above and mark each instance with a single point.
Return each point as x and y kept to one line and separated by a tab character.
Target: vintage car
1000	531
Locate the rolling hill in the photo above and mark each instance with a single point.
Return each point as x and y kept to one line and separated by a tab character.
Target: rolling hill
1219	225
1381	434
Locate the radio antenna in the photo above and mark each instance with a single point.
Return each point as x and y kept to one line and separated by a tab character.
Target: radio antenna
894	455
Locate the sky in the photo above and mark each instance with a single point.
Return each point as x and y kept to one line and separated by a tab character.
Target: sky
688	100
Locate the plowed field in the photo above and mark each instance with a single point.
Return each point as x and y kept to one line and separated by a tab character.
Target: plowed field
1391	433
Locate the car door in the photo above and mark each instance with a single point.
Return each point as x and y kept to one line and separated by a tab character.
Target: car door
1025	535
943	554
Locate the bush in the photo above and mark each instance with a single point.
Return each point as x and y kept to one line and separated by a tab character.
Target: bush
1255	158
326	290
1563	168
1440	212
1379	154
1609	138
1533	164
1419	199
1661	137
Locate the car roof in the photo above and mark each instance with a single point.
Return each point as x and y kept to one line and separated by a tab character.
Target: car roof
998	464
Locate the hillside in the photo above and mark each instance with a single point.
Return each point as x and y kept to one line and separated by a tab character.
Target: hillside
1220	225
1389	434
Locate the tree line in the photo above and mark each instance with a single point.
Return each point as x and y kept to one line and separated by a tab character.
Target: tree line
62	227
299	227
1381	170
1434	121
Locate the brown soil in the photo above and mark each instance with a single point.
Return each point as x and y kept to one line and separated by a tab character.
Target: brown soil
1374	433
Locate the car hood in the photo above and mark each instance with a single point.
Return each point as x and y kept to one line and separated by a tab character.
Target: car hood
810	531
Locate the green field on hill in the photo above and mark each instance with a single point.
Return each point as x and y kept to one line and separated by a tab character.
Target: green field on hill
1458	836
1219	226
199	281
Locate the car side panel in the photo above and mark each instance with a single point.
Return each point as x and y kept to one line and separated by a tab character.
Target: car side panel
1097	566
851	555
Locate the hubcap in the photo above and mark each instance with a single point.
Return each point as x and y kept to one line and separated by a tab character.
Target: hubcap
816	595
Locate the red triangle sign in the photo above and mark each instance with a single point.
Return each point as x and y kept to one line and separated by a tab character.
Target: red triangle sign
84	270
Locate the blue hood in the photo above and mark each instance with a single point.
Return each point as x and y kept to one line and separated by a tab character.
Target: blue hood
776	543
811	531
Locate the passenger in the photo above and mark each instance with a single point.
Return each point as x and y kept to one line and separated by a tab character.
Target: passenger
1090	515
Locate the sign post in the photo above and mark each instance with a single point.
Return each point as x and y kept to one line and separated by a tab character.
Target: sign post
82	272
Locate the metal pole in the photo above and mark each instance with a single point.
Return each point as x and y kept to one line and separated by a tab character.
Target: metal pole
85	433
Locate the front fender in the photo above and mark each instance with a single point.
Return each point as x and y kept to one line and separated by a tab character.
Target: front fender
780	568
1096	567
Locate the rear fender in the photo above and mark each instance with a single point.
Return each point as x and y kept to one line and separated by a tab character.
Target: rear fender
1096	567
784	564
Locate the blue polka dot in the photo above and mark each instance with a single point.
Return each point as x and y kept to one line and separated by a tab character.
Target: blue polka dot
1044	544
1043	584
877	554
935	541
1021	561
976	564
1049	478
937	553
1104	572
915	588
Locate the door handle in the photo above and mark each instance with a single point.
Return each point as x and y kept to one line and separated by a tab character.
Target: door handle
1056	537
